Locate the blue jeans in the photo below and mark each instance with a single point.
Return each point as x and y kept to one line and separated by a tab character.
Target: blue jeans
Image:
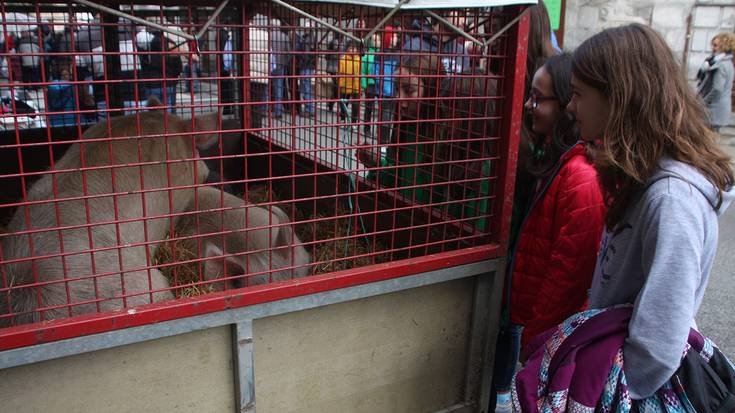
507	352
278	85
307	89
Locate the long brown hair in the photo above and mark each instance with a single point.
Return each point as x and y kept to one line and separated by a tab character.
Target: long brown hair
540	47
539	50
653	112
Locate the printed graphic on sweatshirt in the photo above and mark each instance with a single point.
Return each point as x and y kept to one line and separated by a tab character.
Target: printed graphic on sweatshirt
608	249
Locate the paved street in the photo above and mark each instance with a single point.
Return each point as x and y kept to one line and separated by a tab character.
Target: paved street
716	318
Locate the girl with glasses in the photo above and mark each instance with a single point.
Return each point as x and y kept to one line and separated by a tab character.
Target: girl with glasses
553	261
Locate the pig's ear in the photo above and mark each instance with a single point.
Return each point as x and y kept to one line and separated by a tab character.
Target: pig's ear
214	266
209	126
282	240
153	102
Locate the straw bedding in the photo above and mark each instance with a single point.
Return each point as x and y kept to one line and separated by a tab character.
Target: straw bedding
332	240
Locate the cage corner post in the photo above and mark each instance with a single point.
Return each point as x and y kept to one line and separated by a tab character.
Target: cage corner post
489	290
513	89
244	89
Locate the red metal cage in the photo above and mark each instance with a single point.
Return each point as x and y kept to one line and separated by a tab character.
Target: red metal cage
154	170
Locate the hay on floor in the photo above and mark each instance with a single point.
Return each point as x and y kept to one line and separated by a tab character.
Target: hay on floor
327	253
334	253
184	273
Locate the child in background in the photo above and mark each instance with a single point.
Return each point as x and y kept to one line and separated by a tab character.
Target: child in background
349	83
370	69
387	83
386	87
334	48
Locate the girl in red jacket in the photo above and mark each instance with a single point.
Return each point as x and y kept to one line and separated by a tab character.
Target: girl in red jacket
552	264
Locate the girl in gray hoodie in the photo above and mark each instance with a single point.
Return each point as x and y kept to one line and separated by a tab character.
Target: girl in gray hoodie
665	182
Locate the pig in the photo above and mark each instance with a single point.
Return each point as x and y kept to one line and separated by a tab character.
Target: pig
269	249
73	211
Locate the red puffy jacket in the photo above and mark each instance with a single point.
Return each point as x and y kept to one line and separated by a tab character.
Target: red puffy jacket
557	249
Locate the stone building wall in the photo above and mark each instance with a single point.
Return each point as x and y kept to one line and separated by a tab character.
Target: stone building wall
670	17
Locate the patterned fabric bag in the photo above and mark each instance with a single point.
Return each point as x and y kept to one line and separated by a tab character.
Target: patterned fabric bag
578	367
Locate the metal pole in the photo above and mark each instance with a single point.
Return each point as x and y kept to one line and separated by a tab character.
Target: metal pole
317	20
211	20
504	29
135	19
386	18
453	27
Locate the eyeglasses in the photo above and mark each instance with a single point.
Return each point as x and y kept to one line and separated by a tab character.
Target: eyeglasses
535	99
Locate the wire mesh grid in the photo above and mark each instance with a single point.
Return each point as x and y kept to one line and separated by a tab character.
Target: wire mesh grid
141	167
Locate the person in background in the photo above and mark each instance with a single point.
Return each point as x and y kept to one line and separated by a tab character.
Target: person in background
143	39
189	62
418	99
389	61
15	69
30	50
715	79
334	49
454	57
226	69
63	96
306	59
129	60
349	83
164	68
279	60
129	65
5	69
89	34
49	39
370	68
88	38
292	70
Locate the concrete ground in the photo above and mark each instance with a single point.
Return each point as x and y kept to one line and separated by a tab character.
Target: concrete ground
716	317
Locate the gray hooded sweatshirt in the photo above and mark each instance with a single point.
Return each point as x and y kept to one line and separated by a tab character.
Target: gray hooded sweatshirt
659	259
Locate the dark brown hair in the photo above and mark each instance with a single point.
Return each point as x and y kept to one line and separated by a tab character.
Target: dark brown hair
539	50
565	133
539	42
653	112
